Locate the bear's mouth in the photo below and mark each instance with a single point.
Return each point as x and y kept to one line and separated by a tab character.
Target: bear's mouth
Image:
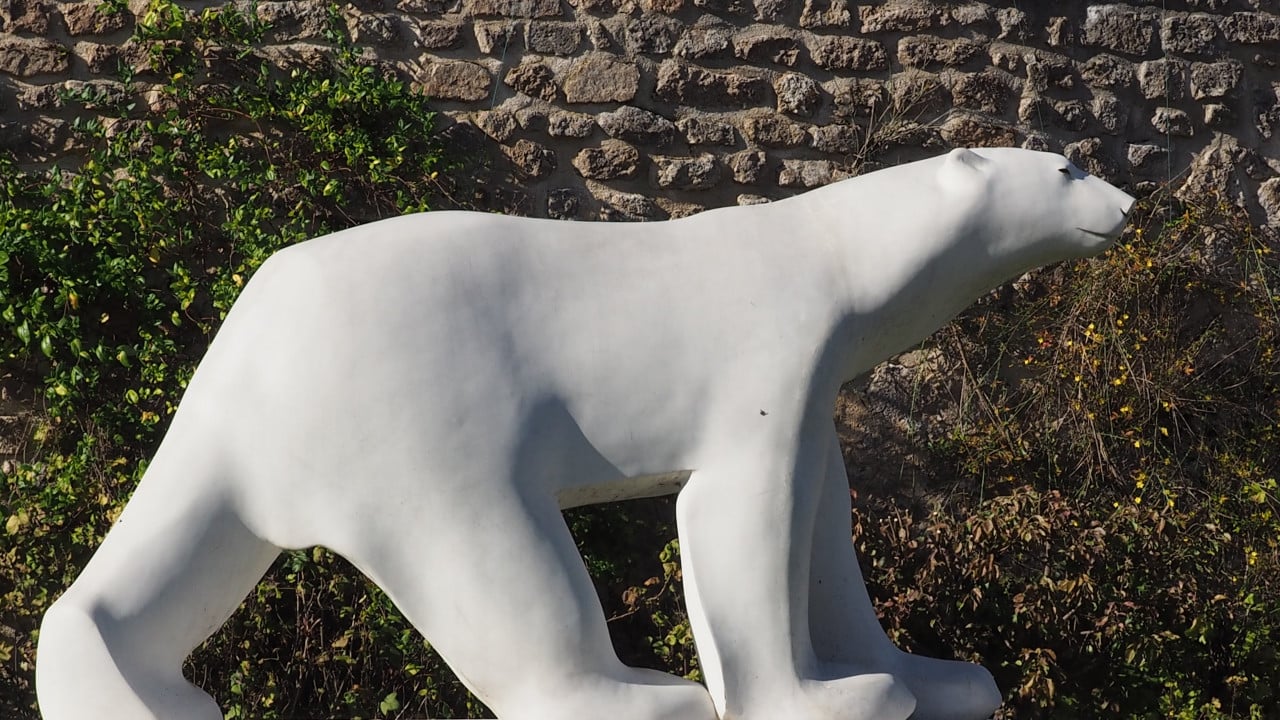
1103	236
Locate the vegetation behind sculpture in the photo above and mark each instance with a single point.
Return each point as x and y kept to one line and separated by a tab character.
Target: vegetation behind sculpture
1099	527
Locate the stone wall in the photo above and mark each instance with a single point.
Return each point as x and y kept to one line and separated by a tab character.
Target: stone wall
647	109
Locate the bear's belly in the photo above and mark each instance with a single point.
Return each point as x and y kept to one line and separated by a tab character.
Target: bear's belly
630	488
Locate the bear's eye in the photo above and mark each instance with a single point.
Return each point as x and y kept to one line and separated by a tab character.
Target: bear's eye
1065	171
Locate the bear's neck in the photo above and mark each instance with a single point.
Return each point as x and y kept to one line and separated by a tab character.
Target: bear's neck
902	294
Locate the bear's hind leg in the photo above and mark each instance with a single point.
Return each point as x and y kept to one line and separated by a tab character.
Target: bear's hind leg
496	584
846	632
173	568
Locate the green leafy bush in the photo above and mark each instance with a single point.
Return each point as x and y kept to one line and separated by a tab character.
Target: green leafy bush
115	272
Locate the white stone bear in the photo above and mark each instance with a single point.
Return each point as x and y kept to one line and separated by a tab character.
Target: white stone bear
424	394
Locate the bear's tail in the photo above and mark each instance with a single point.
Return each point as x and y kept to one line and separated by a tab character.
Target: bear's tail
177	563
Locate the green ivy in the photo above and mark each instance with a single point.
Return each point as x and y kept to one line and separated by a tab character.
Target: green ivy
114	273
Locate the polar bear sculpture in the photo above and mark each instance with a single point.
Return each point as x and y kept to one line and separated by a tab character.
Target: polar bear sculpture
424	394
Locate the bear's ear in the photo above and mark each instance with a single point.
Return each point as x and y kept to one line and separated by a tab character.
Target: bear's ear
966	158
963	171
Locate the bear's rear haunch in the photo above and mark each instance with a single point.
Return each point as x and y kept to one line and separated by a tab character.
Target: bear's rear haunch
424	395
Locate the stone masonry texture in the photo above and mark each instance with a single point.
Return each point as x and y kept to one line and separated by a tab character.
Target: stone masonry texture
649	109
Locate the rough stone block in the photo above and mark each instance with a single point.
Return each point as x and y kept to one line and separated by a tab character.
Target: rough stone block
440	35
1215	80
635	125
747	166
291	21
806	173
1111	114
1172	121
1058	32
455	80
600	7
904	17
987	92
28	57
612	160
530	158
106	92
1046	70
1035	110
773	130
534	79
679	82
1189	34
1251	28
761	44
496	37
28	16
823	14
667	7
700	130
532	117
970	14
380	30
857	96
101	58
1119	28
89	18
923	51
497	124
426	7
1164	79
512	8
553	38
1013	24
838	52
839	139
771	10
722	7
653	34
608	34
1108	71
1145	156
1266	113
797	94
618	206
968	130
1072	115
687	173
679	208
600	77
1217	115
562	123
1269	200
710	37
1090	155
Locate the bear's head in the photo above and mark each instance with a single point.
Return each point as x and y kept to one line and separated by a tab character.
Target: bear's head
1035	208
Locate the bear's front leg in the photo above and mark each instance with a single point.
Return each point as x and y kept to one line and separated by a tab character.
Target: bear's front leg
746	523
847	636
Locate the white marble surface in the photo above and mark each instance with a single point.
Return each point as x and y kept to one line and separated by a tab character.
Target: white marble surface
423	395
